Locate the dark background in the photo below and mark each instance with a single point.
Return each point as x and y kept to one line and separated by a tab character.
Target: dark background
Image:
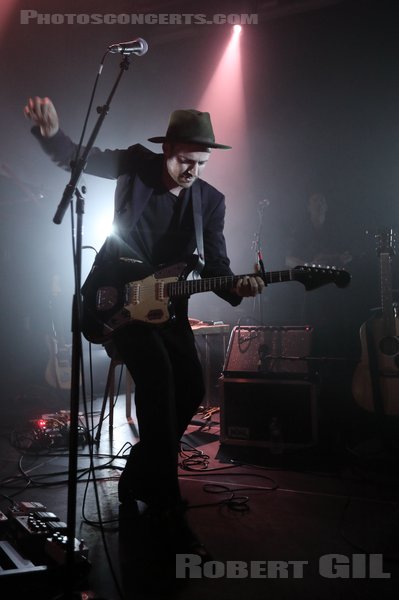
322	95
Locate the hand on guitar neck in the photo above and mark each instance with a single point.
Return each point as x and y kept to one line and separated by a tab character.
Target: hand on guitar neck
249	285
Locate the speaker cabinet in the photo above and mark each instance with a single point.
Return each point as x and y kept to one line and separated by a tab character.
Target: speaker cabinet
268	350
249	406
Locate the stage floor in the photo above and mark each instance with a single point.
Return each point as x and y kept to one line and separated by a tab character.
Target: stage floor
302	524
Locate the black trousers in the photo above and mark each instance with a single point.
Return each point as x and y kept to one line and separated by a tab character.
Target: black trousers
169	387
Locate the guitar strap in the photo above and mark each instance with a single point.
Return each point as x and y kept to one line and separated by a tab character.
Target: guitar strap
197	215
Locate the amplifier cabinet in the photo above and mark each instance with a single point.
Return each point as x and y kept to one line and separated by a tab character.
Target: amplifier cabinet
249	406
268	350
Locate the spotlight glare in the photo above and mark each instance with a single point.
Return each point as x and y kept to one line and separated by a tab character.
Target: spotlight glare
237	29
104	226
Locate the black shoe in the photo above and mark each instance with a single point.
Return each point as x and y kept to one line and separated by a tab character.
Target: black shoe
187	541
174	529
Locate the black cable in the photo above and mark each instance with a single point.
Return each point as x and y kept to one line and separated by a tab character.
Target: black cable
198	461
34	481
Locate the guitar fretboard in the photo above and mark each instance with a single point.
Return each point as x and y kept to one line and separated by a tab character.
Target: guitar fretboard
225	282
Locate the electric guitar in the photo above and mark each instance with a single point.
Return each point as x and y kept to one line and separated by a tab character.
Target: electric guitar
375	385
58	369
116	294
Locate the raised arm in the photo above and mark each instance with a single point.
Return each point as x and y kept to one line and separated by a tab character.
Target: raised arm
62	150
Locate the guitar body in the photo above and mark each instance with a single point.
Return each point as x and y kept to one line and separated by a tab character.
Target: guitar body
126	292
375	384
58	369
388	369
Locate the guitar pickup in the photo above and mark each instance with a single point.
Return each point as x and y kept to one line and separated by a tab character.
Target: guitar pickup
132	293
160	291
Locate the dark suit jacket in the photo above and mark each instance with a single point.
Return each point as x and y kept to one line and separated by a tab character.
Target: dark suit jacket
137	171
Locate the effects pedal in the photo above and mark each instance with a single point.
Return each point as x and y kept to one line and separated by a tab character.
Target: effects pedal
3	521
34	525
56	548
25	508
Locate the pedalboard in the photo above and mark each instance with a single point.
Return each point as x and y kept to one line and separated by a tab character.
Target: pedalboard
53	429
39	535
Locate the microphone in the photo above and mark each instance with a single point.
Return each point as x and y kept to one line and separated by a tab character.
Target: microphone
137	47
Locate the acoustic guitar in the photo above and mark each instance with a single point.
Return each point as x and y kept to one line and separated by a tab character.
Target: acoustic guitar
375	385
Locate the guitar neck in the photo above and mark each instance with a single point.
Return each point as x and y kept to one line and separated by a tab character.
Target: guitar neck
223	283
388	316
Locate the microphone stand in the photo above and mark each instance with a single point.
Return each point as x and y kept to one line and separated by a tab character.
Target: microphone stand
77	168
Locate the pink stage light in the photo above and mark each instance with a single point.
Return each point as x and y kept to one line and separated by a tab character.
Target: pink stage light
6	8
224	99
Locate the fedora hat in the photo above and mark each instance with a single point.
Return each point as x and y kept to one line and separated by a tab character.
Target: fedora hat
190	127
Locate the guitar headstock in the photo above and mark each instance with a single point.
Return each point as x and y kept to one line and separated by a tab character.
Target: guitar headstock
385	241
313	277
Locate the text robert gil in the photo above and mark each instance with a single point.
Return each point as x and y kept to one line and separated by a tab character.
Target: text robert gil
331	566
